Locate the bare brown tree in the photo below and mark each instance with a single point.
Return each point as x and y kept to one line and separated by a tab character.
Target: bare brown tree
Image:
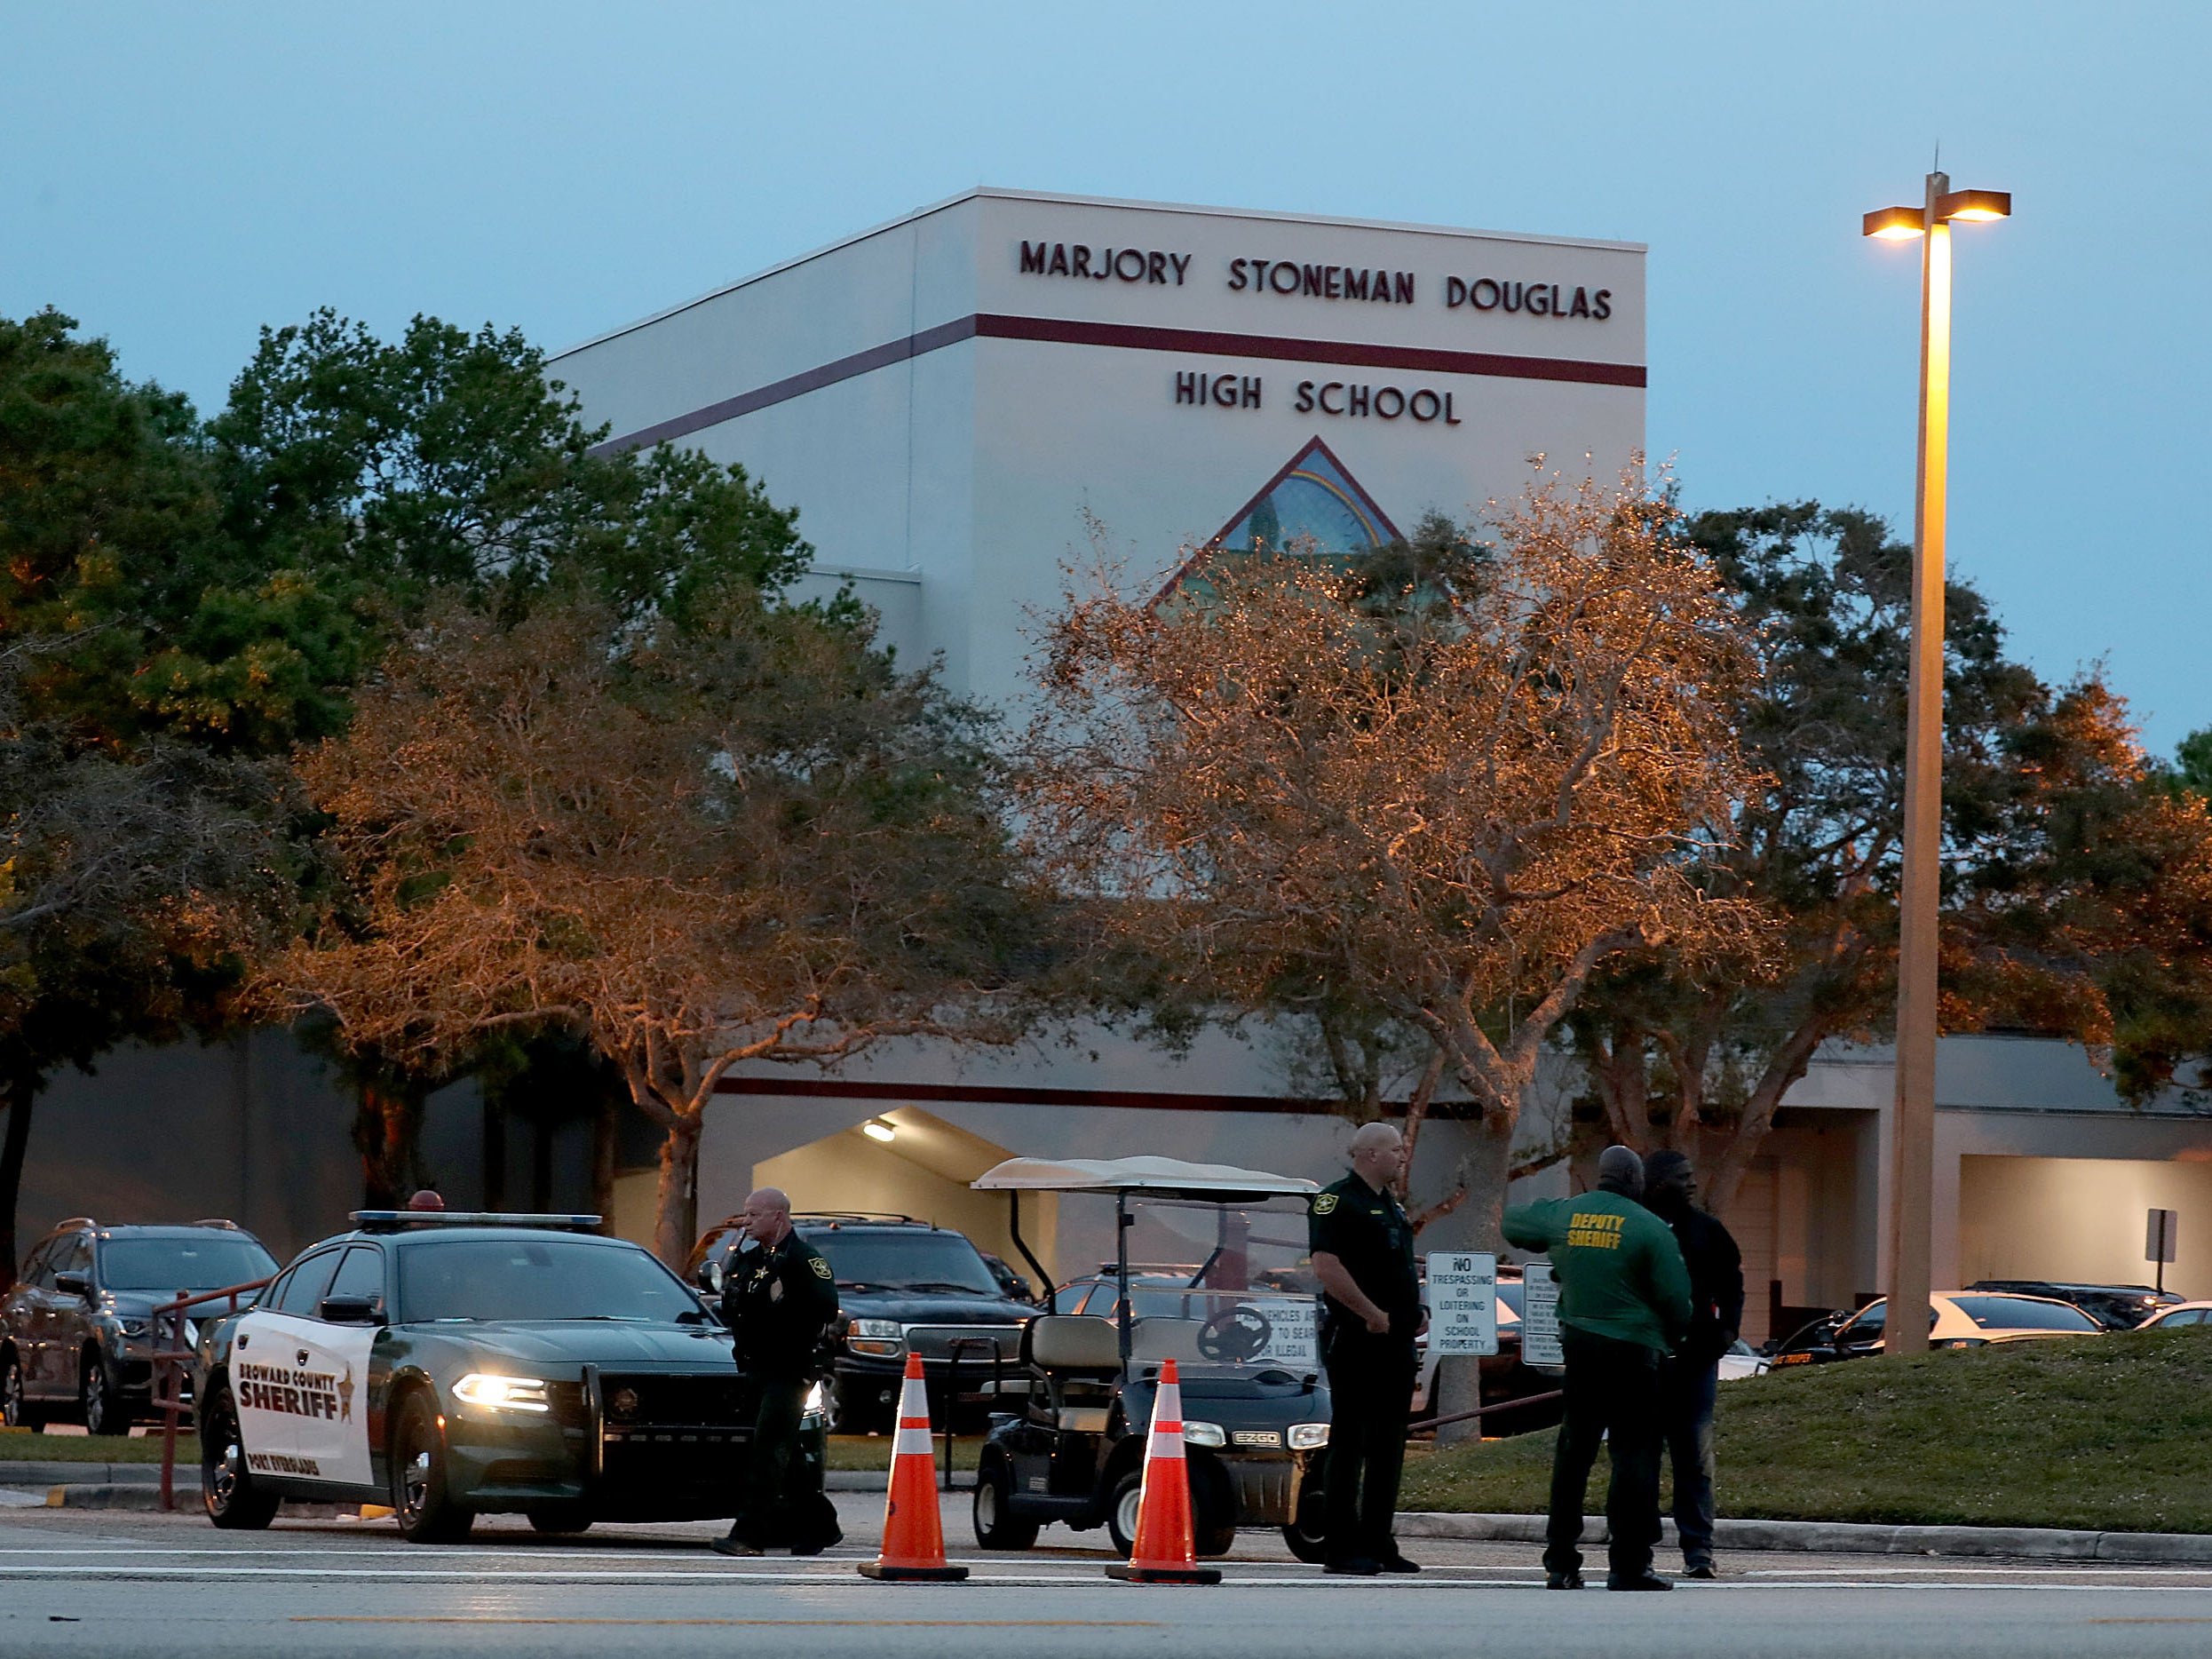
1448	804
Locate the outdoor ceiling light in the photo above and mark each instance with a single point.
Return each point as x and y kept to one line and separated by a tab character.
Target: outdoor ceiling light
876	1128
1895	224
1977	206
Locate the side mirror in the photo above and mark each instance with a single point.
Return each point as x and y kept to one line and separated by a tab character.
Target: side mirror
350	1310
73	1283
709	1276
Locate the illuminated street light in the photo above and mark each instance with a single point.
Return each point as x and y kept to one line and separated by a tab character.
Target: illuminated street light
1913	1117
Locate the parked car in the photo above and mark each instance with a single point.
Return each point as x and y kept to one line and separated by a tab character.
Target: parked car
1741	1360
2114	1306
449	1364
903	1285
1957	1319
2178	1314
76	1330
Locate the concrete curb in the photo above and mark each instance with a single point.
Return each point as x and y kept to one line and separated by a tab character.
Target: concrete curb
52	1472
878	1481
2036	1544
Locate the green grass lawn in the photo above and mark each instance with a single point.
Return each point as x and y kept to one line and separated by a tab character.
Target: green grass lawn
2109	1433
19	1446
873	1451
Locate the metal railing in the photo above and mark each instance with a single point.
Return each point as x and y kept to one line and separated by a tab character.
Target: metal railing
1480	1412
953	1398
170	1356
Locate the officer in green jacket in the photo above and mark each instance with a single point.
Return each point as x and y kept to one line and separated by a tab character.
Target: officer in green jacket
778	1298
1624	1306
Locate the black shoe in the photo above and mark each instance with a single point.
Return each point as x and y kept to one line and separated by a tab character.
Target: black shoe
1644	1580
1395	1563
1700	1569
816	1548
738	1547
1571	1579
1354	1566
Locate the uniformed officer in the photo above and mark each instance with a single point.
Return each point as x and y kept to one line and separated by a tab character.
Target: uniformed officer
1624	1306
1363	1256
778	1299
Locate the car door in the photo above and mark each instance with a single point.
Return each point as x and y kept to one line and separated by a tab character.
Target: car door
268	1369
333	1434
26	1319
67	1316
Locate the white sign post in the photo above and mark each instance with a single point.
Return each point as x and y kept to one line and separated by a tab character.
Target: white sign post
1540	1318
2162	1240
1463	1302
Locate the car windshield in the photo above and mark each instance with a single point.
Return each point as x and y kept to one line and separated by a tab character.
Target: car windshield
2020	1313
536	1278
904	1259
215	1262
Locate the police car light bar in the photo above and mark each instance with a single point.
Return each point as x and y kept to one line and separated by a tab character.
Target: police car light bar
385	1220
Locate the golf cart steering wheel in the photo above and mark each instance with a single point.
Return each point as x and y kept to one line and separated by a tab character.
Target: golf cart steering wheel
1235	1335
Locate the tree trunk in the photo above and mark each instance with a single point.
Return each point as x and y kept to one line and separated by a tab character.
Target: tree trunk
387	1132
676	1206
1789	1063
605	1146
16	1143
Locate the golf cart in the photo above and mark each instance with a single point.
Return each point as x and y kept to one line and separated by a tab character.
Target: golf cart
1254	1406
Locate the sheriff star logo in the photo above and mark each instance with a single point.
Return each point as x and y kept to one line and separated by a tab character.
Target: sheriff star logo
821	1269
1324	1204
345	1396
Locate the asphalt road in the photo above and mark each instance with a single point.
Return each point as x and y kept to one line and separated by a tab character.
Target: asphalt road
82	1583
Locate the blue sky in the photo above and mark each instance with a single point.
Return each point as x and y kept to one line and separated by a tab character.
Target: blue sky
176	176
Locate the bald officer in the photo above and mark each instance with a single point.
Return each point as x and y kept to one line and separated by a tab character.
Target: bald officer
1624	1307
777	1298
1370	1314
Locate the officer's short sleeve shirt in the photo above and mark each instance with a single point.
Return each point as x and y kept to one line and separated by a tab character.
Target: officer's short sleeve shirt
1370	1233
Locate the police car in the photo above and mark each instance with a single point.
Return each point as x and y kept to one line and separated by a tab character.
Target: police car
450	1365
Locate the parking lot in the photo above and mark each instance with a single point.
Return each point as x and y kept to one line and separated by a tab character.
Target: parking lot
108	1582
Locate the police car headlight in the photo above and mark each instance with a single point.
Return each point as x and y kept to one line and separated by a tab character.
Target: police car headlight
876	1336
137	1330
502	1394
1307	1436
1204	1435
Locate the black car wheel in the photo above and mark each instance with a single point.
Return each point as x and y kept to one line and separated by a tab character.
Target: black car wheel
1308	1534
1213	1527
560	1519
99	1401
233	1499
421	1500
851	1406
996	1525
16	1411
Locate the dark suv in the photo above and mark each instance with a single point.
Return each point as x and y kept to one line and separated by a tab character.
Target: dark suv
77	1335
903	1285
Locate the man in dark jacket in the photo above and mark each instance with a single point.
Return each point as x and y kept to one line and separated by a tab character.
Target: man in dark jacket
777	1298
1692	1379
1624	1305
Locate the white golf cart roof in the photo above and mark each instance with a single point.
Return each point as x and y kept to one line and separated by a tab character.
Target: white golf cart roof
1165	1178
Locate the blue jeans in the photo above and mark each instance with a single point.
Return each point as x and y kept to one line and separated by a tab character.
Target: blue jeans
1688	1422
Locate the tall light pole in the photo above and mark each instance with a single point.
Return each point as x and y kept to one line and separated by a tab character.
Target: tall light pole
1913	1118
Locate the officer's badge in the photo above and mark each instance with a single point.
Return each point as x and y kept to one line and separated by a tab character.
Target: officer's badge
821	1269
1324	1204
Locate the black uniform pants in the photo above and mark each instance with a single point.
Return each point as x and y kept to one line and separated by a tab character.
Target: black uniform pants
772	1513
1688	1391
1370	1396
1613	1396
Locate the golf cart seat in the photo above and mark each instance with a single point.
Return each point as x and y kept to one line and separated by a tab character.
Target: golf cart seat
1076	1357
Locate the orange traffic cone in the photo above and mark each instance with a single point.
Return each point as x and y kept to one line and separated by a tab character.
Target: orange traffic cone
914	1537
1164	1552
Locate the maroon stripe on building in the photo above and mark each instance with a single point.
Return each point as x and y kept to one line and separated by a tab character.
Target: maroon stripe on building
835	1089
1135	337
